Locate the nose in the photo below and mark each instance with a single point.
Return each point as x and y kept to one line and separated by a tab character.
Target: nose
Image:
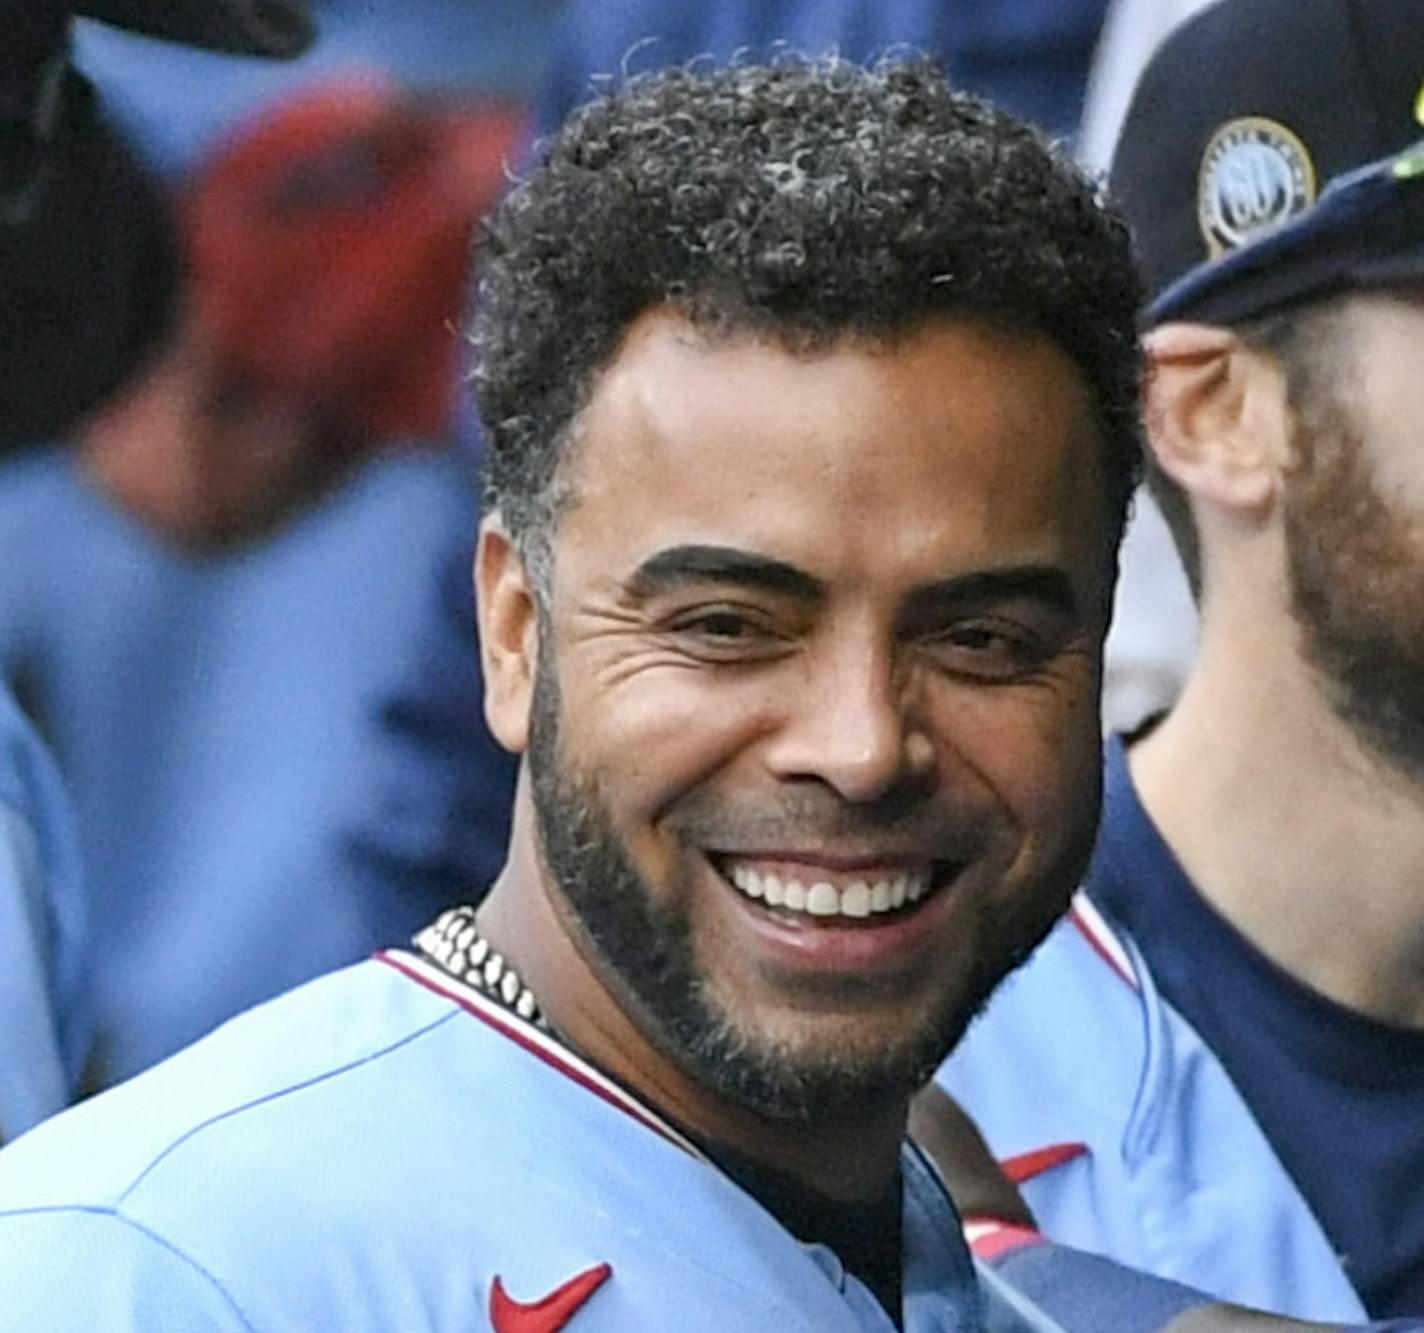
851	725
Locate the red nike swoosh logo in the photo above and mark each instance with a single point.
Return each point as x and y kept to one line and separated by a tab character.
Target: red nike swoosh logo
550	1313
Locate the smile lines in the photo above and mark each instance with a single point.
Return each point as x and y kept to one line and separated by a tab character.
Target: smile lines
859	899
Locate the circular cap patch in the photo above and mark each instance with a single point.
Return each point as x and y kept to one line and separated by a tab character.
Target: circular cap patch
1255	175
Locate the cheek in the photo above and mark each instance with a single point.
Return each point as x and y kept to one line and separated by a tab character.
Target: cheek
1038	750
658	734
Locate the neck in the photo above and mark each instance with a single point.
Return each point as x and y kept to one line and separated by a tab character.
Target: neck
138	447
1308	844
854	1159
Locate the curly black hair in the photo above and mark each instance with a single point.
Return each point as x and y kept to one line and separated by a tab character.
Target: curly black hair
810	199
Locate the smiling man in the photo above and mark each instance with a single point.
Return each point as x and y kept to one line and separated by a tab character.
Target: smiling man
811	403
809	718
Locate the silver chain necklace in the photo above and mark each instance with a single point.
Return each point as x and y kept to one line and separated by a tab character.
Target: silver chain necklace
453	942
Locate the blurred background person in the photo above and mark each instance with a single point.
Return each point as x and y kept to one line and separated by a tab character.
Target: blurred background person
88	269
174	102
205	593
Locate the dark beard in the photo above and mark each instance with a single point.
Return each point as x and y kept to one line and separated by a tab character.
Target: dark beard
1354	566
642	952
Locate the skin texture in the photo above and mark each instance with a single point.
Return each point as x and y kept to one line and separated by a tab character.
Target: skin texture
834	615
1354	523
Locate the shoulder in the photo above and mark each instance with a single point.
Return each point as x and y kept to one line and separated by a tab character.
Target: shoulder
332	1029
1080	997
1052	1071
430	1144
190	1185
1126	1135
74	1270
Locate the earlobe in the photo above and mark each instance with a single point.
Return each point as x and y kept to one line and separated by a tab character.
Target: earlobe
509	634
1216	416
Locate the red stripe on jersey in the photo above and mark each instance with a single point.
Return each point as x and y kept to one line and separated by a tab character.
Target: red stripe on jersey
1095	930
1026	1165
990	1238
538	1045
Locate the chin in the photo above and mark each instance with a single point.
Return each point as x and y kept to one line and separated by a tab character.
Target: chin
802	1067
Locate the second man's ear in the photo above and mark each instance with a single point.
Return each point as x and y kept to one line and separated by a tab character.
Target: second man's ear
509	634
1218	421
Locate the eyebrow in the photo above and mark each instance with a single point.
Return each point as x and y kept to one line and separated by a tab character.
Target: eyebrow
1045	584
677	566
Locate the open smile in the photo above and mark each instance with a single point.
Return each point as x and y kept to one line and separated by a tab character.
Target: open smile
868	895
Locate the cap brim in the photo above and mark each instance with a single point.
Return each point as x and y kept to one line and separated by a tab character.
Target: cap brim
1365	231
280	29
1266	291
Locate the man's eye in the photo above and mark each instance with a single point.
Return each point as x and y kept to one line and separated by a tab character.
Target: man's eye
721	625
990	650
725	634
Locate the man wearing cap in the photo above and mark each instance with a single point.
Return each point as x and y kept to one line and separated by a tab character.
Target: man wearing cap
1213	1069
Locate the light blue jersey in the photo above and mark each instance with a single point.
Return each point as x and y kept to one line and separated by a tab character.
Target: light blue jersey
385	1149
1128	1137
44	1018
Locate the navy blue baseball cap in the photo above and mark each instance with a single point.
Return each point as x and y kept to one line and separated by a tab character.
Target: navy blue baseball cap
1273	152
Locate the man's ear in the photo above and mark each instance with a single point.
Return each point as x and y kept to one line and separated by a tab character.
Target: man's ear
509	635
1217	416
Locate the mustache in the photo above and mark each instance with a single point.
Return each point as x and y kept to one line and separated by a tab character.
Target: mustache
816	816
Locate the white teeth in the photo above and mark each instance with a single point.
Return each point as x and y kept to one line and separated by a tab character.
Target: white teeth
858	900
823	900
855	901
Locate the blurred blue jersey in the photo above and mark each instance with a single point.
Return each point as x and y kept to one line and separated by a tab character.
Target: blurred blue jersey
1127	1136
218	722
45	1018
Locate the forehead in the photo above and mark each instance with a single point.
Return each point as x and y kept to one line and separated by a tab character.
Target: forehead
952	442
